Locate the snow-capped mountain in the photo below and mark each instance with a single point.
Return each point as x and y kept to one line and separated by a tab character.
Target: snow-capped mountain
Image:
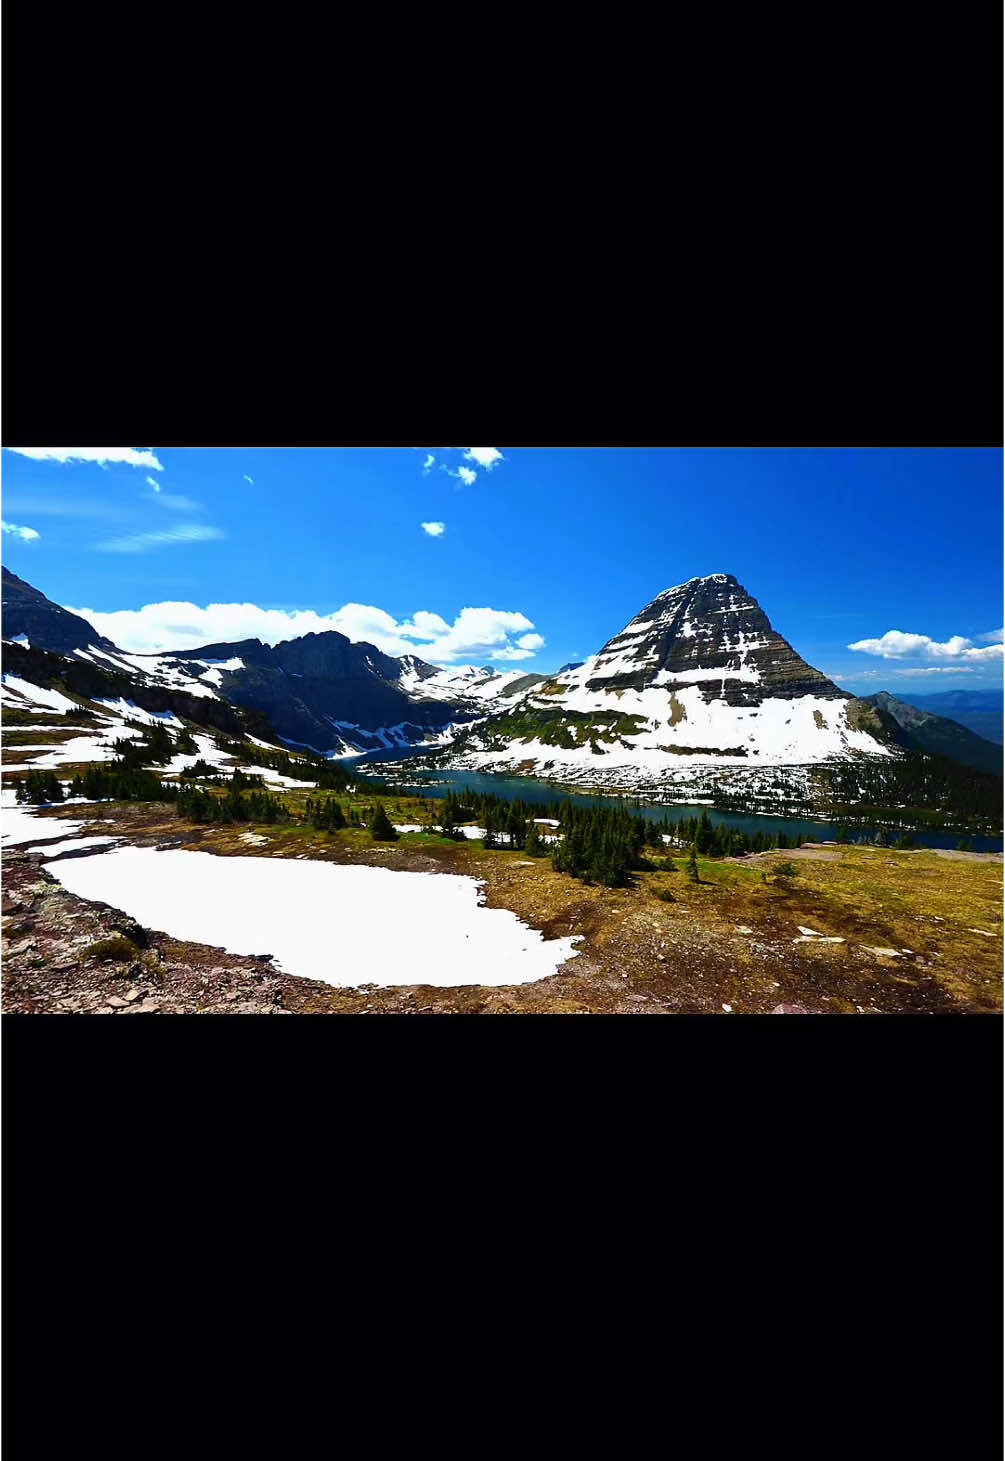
320	691
699	678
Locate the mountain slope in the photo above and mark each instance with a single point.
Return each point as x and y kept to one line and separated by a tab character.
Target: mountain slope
321	691
699	678
28	614
937	735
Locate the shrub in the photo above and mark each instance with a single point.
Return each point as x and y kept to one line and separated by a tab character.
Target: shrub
785	869
664	895
118	949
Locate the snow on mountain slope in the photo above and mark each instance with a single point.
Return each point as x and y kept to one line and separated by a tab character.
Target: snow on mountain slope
37	699
456	683
159	669
698	679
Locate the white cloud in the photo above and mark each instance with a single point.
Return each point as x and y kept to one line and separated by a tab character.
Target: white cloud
994	637
427	464
895	644
435	530
156	486
531	642
466	474
993	651
475	634
142	542
28	534
131	455
485	456
249	479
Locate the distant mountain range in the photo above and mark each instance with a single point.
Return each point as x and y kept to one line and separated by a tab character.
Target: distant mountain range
981	711
937	735
699	681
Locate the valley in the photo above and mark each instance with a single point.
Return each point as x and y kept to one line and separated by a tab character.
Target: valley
693	820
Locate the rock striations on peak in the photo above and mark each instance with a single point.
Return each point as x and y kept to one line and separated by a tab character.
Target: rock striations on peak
698	679
710	631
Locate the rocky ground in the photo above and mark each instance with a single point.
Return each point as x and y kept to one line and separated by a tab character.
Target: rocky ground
848	930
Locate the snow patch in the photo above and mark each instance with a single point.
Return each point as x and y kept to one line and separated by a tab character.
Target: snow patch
392	928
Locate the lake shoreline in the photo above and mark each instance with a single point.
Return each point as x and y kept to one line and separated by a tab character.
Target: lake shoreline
423	781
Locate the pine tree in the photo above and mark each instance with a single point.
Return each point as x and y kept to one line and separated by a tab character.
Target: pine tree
705	834
691	866
380	828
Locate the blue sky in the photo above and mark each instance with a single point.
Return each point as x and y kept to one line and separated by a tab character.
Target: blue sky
523	556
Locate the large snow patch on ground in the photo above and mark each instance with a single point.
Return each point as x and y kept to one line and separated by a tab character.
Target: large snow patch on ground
344	925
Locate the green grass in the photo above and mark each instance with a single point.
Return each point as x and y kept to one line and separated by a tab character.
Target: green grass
424	839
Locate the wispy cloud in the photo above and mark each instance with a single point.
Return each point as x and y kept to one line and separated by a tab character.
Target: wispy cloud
248	479
474	634
435	530
175	502
33	505
885	675
895	644
935	670
428	464
28	534
171	501
994	636
143	542
131	455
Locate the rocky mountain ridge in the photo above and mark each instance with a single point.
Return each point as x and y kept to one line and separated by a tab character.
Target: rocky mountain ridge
698	685
321	691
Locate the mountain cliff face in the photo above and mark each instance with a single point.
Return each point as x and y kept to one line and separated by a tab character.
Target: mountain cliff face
699	678
708	631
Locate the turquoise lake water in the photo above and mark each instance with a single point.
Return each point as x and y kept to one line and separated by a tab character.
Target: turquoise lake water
528	789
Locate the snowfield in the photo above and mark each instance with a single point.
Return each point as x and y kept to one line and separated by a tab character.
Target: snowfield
39	695
19	825
79	749
346	926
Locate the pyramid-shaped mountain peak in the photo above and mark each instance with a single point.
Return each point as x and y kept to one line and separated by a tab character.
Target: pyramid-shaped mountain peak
709	631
